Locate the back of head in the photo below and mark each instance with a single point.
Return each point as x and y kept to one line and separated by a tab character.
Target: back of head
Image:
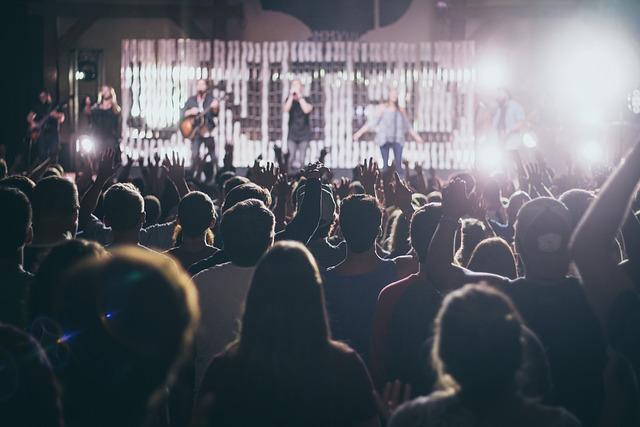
577	201
152	209
284	315
55	200
356	188
195	214
360	221
29	394
472	232
233	182
245	192
15	221
20	182
248	231
128	321
423	225
516	200
123	207
60	260
542	232
493	255
478	343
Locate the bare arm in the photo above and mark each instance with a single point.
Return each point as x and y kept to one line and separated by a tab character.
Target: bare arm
287	104
591	242
89	201
306	106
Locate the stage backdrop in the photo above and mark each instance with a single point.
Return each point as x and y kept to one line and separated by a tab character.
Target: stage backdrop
344	81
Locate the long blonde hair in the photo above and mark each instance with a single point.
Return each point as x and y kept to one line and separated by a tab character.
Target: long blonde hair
114	99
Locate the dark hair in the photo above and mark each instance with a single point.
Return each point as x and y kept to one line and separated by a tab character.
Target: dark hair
123	206
195	214
478	344
493	255
129	320
247	229
360	221
232	183
245	192
152	209
472	232
53	269
423	225
15	220
577	201
3	169
356	188
20	182
29	393
284	327
53	197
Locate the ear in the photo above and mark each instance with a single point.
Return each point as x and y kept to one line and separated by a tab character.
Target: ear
143	217
106	221
29	236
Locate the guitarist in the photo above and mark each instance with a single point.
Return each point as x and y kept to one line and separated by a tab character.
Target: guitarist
201	102
43	133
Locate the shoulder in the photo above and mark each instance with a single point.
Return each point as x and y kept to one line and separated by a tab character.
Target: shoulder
550	416
393	291
423	411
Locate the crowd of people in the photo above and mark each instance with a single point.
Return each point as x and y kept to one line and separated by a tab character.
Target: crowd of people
274	299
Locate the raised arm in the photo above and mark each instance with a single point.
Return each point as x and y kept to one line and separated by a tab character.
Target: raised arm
304	224
287	104
307	107
175	172
106	170
592	241
440	268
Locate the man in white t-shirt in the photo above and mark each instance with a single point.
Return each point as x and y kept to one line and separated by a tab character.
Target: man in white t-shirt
247	230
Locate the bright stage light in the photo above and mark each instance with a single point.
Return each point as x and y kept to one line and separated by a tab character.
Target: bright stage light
590	70
85	144
529	140
493	73
592	152
490	157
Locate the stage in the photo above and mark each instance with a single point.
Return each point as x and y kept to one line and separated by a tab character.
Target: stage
344	80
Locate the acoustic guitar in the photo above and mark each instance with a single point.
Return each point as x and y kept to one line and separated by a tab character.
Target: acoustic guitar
196	123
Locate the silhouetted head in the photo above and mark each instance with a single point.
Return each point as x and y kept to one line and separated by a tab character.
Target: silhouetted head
542	232
245	192
55	207
15	221
360	222
493	255
577	201
123	208
423	225
478	346
128	322
248	231
196	214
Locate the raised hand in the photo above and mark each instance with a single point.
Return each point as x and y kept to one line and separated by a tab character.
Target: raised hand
369	176
106	167
283	187
265	177
402	195
455	201
174	167
342	187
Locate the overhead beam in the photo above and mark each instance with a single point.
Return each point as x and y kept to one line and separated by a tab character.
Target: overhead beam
75	32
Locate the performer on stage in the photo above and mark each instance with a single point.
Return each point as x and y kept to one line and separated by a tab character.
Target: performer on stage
201	102
44	122
104	121
391	125
508	120
299	134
